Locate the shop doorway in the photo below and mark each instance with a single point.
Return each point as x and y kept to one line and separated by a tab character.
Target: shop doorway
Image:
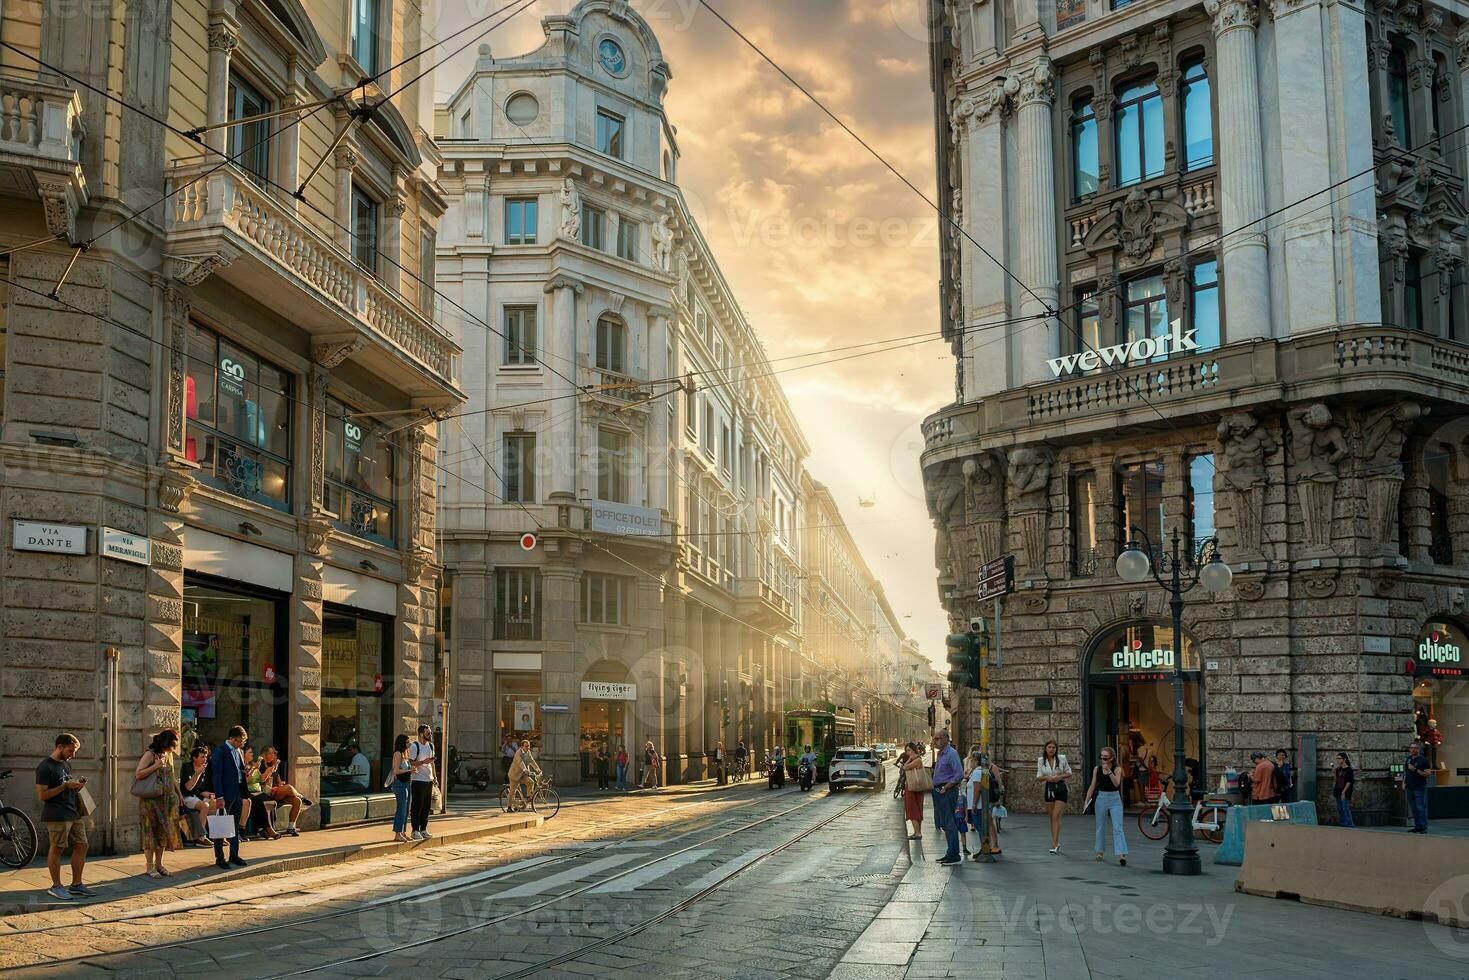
1129	706
605	697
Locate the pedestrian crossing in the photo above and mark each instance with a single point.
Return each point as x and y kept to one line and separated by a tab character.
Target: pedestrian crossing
552	882
651	873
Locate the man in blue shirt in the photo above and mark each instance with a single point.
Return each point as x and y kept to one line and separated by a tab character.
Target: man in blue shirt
948	773
1415	787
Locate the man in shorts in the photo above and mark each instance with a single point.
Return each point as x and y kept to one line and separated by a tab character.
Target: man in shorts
61	812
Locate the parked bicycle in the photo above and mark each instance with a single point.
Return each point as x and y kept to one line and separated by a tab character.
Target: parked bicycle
17	833
1209	816
544	799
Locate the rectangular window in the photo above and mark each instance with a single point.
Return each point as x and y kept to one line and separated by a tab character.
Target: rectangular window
603	599
611	344
356	707
1398	99
1088	322
1140	501
359	474
365	21
428	261
706	435
1084	161
1204	304
1198	117
230	636
726	449
238	411
517	604
593	223
520	221
1145	311
1084	523
628	232
1413	291
1069	13
520	335
1436	469
364	229
612	463
249	144
1139	133
691	411
609	133
1200	500
520	467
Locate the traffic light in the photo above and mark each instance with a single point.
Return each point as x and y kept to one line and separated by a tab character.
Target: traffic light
724	713
967	653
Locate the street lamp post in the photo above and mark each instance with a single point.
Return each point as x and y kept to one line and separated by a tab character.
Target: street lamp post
1181	856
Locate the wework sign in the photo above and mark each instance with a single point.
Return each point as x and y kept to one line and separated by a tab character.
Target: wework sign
1175	341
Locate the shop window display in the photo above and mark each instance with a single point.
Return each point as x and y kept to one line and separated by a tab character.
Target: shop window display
234	670
355	713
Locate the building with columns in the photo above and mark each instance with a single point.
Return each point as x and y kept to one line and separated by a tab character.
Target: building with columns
1203	281
218	369
619	411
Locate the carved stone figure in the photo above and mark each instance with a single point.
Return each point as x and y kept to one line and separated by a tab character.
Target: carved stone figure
663	242
1134	224
1384	435
570	209
1029	478
1244	447
946	507
1319	447
984	495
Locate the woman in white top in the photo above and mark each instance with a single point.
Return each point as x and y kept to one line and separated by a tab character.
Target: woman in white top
1053	770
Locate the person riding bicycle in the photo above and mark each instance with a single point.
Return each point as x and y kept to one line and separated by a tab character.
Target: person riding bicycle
742	759
523	773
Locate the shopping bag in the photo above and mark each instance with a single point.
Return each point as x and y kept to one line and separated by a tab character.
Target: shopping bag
85	802
1000	813
221	826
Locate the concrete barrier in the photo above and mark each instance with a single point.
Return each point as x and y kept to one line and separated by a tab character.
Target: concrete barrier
1405	875
1232	849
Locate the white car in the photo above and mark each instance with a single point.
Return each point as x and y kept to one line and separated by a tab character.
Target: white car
856	765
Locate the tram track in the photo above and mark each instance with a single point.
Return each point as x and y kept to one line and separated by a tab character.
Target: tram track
523	845
414	896
601	883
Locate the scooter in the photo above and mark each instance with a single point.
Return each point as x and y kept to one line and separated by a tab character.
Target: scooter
777	774
807	776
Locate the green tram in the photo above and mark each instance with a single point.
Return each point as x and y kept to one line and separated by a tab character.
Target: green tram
821	725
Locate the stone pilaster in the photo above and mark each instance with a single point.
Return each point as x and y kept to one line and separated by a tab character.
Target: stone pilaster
562	343
303	685
1036	208
985	285
560	680
1241	170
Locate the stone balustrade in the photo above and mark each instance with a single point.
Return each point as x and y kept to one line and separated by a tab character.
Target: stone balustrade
41	134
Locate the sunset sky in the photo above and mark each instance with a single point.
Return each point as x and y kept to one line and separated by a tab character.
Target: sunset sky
822	246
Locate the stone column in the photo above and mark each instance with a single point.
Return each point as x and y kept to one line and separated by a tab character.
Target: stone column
1037	219
561	342
985	288
392	243
224	37
1246	274
1360	292
346	161
288	141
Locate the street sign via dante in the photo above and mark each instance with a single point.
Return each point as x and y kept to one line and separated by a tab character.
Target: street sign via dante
997	577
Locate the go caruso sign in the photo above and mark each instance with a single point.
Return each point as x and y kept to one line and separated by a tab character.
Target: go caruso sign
1117	355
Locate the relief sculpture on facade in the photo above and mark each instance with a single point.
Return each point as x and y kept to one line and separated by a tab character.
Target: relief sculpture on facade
946	507
1029	482
1318	447
1384	434
984	496
1244	448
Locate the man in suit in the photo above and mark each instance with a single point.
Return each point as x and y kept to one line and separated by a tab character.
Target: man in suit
227	766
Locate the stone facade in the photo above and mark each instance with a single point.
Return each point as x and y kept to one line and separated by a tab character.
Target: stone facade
114	416
1313	430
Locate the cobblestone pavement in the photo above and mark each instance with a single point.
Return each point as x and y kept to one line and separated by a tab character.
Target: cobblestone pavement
737	884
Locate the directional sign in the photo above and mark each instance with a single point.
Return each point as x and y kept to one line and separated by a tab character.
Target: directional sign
997	577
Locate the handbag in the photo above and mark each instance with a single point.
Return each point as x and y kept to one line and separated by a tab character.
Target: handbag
436	800
919	780
1055	792
150	787
221	826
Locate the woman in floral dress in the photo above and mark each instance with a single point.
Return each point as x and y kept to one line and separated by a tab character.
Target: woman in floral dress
159	815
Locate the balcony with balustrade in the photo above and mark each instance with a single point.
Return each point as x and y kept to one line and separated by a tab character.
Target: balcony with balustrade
1371	360
41	135
222	223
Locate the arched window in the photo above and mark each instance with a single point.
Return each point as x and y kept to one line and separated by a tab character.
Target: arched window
1139	133
1397	96
611	342
1198	117
1083	149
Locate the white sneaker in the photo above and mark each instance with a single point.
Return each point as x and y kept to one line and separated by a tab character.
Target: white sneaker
417	835
426	835
60	894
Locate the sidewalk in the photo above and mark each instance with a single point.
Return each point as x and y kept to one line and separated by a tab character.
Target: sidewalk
1037	916
122	876
471	816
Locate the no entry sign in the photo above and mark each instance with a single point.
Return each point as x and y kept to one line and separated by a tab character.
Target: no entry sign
527	541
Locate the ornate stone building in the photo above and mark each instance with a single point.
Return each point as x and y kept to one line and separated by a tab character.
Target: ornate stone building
219	366
1203	274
